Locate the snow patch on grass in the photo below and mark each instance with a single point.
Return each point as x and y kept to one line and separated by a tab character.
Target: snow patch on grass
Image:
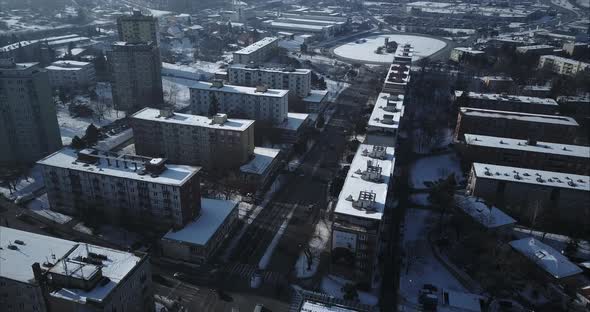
317	245
433	168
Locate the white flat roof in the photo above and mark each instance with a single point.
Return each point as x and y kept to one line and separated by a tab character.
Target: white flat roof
488	216
302	27
257	45
214	212
463	301
549	259
312	306
316	96
202	85
532	176
294	121
153	114
354	184
284	70
468	50
263	158
489	113
379	111
67	158
67	65
507	98
523	145
16	264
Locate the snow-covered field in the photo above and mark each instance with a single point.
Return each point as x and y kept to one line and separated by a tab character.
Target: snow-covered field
29	183
433	168
40	206
420	265
365	50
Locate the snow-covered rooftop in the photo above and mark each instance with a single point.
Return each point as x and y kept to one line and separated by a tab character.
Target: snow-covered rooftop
316	96
263	158
214	212
524	145
257	45
489	113
285	70
202	85
527	48
67	158
469	50
549	259
67	65
387	111
488	216
153	114
462	301
294	121
300	27
16	264
355	184
312	306
532	176
507	98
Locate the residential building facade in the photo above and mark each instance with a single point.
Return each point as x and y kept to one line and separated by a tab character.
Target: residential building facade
297	81
42	273
136	76
531	154
563	66
121	189
550	128
28	126
533	195
138	28
267	106
71	74
214	143
257	52
358	215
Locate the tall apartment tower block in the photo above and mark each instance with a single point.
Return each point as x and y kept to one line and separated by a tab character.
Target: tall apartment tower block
136	71
138	28
28	123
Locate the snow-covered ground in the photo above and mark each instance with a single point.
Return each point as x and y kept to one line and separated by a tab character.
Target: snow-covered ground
335	88
365	49
40	206
332	285
420	266
433	168
317	244
30	182
564	4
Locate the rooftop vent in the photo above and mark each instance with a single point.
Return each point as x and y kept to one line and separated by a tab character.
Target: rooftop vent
261	88
366	201
166	112
378	152
388	119
219	119
88	155
372	172
217	83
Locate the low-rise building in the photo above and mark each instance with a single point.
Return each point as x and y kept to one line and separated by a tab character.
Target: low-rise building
259	172
530	194
384	123
297	81
461	54
199	239
71	74
551	128
539	49
505	102
42	273
526	153
293	129
497	83
358	215
487	216
121	189
214	143
266	106
257	52
563	66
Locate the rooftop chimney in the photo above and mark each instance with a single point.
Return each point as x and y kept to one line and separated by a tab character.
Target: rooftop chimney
166	112
219	119
261	88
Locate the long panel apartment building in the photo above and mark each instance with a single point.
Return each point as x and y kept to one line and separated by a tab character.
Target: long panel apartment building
257	52
297	81
136	74
551	128
41	273
563	66
531	154
28	126
533	195
397	79
504	102
384	123
267	106
121	189
358	216
211	142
